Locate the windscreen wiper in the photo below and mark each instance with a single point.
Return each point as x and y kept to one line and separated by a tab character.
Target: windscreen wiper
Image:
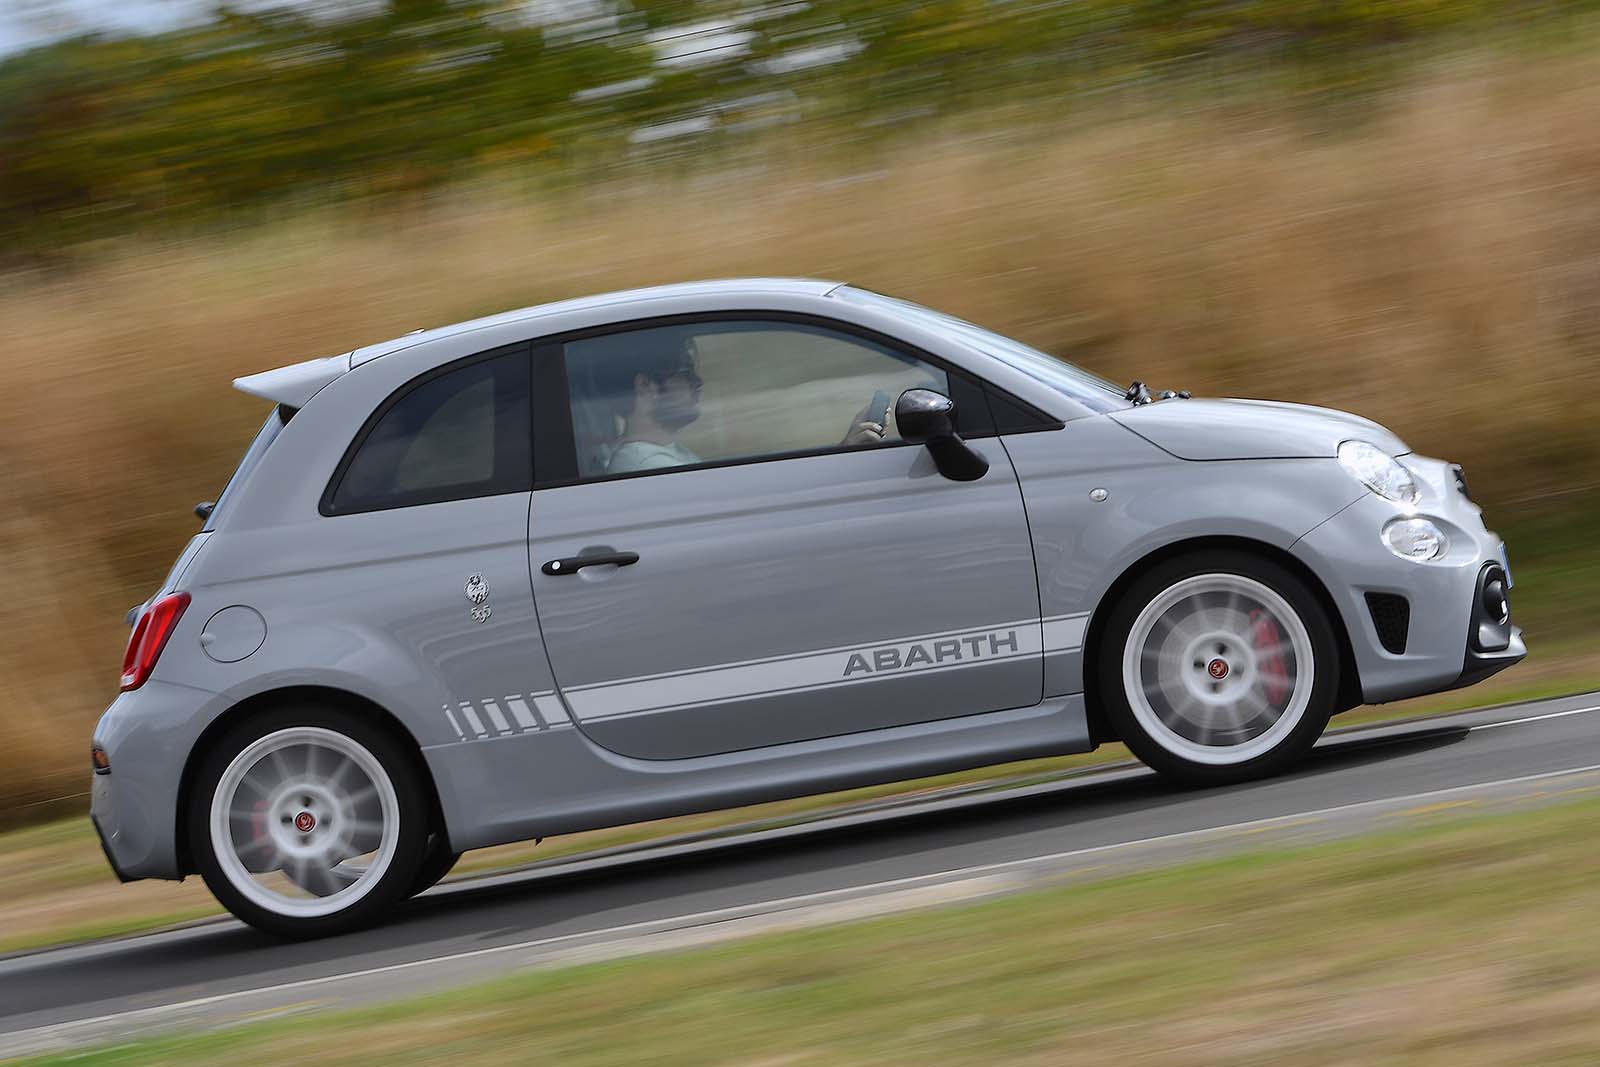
1138	393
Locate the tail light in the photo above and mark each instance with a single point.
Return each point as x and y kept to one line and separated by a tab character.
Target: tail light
149	637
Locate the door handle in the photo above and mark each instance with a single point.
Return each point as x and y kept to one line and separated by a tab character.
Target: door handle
574	564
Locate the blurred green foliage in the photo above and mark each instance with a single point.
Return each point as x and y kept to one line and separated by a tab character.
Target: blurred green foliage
102	134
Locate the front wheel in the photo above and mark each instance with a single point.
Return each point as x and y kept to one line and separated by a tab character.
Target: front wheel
1219	667
308	822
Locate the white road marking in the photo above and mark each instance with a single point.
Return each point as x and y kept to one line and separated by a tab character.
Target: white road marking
1533	718
790	903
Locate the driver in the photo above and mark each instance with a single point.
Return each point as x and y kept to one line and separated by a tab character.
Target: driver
656	391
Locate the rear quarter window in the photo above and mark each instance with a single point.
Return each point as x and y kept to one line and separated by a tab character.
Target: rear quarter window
456	433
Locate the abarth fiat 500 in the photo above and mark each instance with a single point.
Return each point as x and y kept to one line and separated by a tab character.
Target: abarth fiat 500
698	546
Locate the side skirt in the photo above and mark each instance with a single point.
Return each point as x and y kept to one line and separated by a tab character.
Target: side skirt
517	786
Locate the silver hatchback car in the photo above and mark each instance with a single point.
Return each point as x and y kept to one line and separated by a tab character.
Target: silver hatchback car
683	548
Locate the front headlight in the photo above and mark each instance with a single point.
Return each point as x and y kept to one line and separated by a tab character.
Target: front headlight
1378	471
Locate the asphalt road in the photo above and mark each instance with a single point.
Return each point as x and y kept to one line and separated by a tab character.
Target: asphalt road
868	861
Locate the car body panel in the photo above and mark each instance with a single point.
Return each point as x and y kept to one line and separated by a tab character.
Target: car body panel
788	599
1151	501
364	596
1255	429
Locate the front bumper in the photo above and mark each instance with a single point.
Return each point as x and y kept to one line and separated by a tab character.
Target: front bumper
1442	602
1493	643
1480	665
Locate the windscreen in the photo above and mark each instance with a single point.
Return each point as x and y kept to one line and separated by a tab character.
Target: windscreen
1090	390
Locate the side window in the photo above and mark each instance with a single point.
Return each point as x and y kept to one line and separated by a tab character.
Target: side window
460	433
668	396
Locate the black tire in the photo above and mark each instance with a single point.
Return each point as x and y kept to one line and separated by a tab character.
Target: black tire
437	860
386	890
1161	751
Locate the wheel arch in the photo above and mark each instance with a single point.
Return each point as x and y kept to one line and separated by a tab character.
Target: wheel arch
1100	730
293	694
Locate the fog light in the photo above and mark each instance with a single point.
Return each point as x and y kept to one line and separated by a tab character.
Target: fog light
101	762
1416	539
1495	605
1491	621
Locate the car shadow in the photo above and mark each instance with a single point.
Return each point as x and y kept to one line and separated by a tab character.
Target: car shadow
1336	753
1085	796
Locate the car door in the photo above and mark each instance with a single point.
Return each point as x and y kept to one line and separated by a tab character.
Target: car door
724	557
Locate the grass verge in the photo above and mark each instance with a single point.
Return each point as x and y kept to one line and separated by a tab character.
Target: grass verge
1447	943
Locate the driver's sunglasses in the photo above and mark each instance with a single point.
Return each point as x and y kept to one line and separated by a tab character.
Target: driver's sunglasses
690	376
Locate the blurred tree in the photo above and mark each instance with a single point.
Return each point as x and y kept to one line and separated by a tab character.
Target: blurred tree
102	132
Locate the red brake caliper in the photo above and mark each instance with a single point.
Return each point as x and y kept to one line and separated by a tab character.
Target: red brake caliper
1265	634
258	823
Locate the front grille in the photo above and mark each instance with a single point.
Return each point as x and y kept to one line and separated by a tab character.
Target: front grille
1461	480
1391	617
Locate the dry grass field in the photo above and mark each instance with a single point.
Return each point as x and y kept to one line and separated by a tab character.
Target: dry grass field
1432	266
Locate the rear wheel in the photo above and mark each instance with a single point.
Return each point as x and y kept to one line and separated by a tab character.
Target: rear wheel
307	822
1219	667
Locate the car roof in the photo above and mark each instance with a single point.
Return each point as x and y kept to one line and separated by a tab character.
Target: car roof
700	289
296	383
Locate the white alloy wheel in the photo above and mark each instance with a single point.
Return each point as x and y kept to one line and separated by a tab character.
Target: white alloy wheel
304	822
1218	669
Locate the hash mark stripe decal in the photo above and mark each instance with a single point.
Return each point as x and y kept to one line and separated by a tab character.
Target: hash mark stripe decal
496	717
520	712
473	720
453	724
551	709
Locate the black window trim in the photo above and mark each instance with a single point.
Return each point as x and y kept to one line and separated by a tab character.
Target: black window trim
555	454
326	506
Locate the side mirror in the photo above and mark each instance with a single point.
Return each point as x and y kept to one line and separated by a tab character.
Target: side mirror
925	417
203	509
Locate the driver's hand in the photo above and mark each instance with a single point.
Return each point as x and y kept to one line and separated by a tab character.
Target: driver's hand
863	431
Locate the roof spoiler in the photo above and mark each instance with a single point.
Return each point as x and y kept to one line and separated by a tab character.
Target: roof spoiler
293	385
